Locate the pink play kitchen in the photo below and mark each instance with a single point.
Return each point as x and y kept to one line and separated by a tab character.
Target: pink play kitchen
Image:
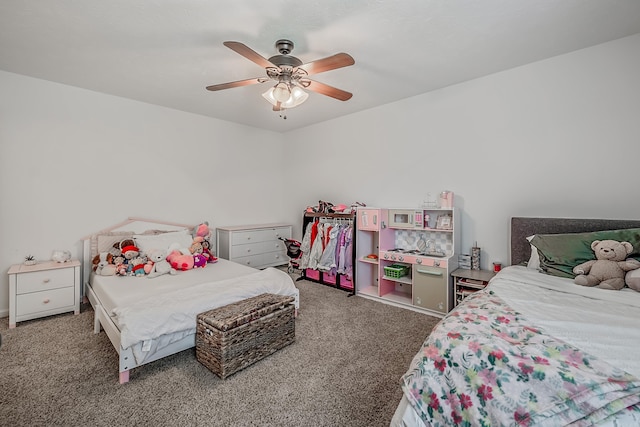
405	255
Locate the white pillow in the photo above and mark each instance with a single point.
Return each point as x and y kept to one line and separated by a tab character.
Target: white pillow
146	242
534	259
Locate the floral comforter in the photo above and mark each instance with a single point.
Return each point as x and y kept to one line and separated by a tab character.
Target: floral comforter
486	365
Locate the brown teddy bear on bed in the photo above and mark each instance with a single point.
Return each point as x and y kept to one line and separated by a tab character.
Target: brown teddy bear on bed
608	270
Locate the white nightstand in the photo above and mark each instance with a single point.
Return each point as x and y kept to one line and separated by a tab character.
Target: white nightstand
43	289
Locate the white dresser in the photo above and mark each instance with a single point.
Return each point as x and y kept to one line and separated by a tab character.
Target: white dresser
257	246
43	289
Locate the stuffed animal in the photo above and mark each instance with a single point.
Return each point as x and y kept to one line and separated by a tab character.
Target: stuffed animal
160	264
180	261
199	261
608	270
102	258
196	247
121	266
207	252
102	264
130	252
202	230
116	249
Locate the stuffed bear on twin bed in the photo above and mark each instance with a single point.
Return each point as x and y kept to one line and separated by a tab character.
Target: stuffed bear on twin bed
609	268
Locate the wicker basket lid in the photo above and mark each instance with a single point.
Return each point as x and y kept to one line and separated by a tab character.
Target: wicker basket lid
239	313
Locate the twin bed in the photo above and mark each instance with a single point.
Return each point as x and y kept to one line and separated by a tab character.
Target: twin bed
534	348
150	318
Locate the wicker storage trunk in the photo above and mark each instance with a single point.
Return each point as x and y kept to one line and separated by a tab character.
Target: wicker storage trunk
232	337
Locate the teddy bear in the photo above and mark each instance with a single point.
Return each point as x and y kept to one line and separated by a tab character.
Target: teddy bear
136	267
180	261
101	259
160	265
116	249
608	270
103	264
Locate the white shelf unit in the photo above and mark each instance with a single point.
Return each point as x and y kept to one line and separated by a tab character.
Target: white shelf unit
428	286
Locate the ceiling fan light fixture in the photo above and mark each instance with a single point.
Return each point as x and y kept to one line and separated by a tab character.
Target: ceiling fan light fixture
281	92
297	96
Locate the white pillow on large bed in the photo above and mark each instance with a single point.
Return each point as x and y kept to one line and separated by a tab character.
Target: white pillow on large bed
534	259
146	242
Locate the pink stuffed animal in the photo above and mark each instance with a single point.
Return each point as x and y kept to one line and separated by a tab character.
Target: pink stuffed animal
180	261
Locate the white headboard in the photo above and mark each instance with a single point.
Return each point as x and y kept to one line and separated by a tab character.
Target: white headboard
119	231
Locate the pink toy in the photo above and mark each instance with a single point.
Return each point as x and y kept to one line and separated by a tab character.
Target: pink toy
180	261
199	261
202	230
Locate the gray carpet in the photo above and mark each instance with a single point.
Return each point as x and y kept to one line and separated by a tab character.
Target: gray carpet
343	370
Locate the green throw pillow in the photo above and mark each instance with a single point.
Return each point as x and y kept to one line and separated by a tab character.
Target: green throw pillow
559	253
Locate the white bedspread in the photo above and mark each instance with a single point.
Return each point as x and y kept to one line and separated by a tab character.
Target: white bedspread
601	322
176	311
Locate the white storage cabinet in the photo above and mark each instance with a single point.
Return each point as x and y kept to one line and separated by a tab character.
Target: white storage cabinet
43	289
257	246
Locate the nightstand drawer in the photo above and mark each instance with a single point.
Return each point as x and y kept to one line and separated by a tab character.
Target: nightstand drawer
45	280
44	301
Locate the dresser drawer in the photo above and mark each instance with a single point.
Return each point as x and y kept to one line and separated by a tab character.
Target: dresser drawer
45	280
263	260
45	301
255	236
256	248
254	261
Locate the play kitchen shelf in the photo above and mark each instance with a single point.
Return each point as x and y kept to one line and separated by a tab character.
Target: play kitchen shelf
405	257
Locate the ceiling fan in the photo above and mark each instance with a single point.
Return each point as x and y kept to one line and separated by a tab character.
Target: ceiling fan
290	73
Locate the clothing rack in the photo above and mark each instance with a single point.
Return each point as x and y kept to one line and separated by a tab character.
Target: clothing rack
344	281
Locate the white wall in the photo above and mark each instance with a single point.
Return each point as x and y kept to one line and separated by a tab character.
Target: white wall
74	161
557	138
554	138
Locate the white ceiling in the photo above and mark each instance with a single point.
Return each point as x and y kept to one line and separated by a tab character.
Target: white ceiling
165	52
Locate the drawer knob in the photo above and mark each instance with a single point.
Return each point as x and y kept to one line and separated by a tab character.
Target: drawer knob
46	301
46	280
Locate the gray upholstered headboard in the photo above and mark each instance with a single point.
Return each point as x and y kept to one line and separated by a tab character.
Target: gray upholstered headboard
522	227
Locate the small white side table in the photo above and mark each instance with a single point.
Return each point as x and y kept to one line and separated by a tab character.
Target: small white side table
43	289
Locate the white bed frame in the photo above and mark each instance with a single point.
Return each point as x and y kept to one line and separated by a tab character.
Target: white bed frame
102	318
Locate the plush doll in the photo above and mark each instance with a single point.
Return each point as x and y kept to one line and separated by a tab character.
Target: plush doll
608	270
160	264
116	250
121	266
180	261
199	261
104	265
202	230
137	267
207	252
101	259
130	252
196	247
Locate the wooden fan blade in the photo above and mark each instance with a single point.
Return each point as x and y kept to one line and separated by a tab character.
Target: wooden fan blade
329	91
338	60
239	83
249	53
